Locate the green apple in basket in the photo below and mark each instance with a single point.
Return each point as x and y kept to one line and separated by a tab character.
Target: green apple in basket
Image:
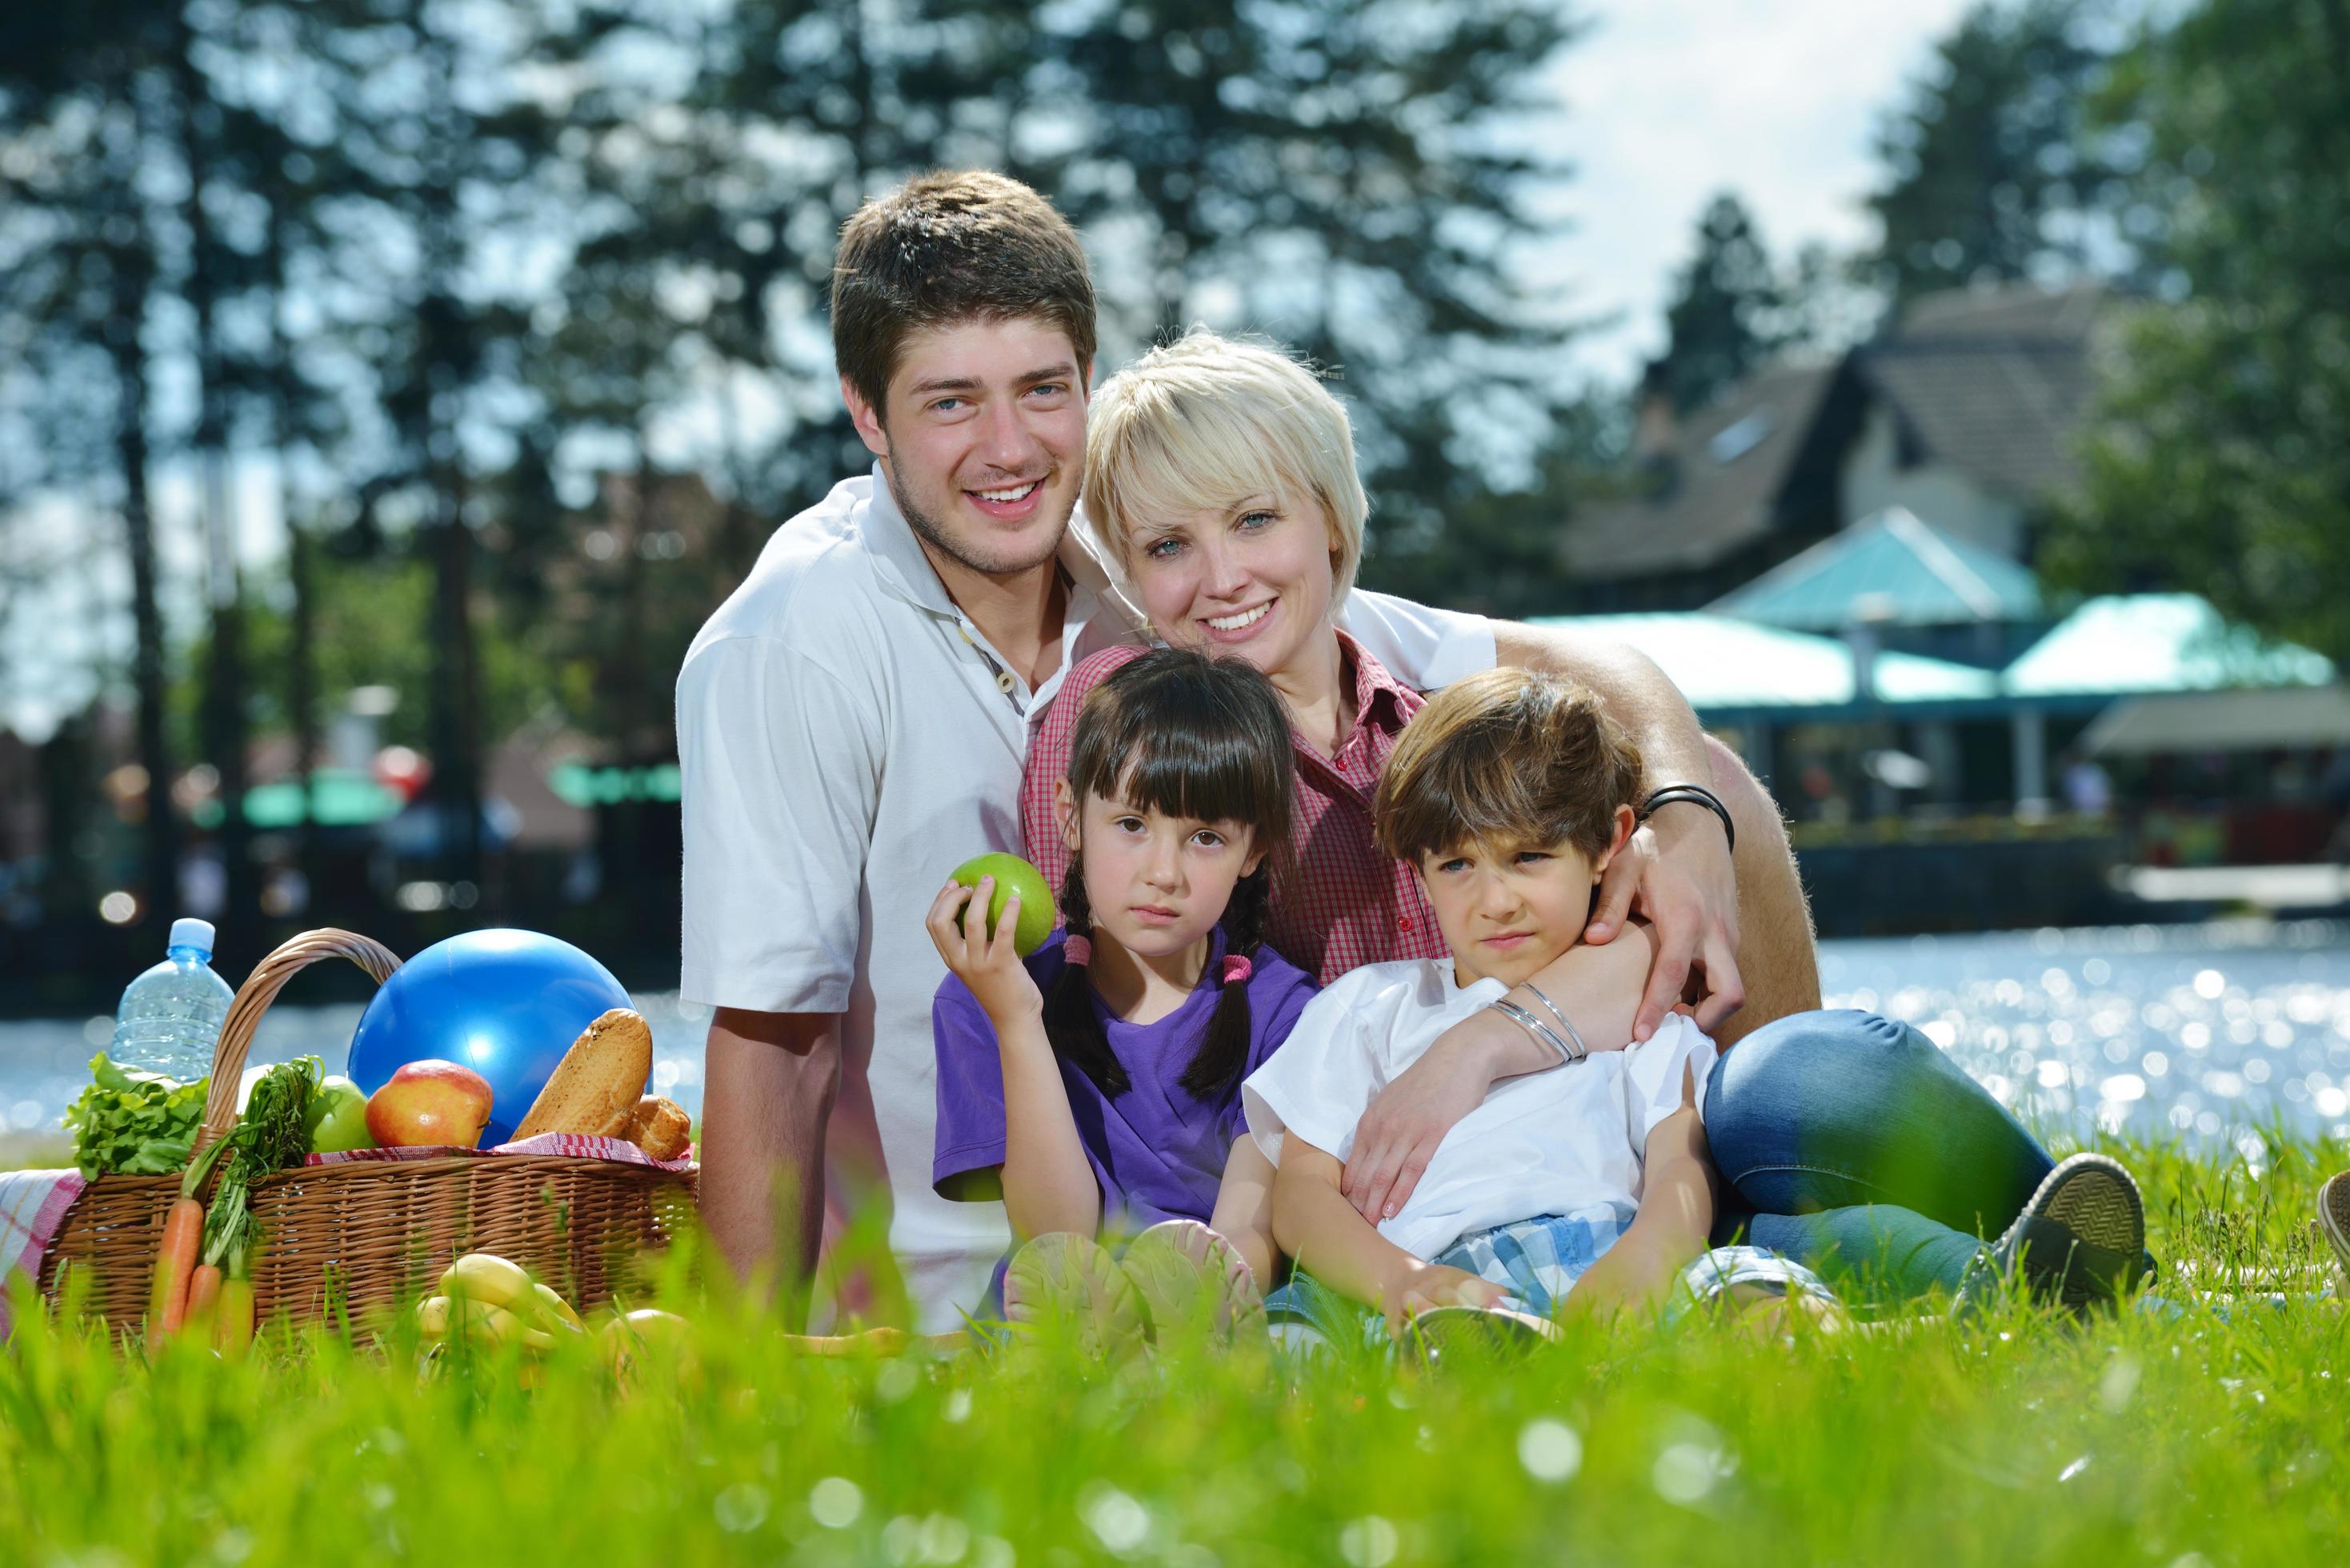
336	1119
1012	875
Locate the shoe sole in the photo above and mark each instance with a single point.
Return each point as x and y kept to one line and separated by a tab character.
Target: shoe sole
1187	1274
2333	1217
2095	1207
1063	1283
1466	1332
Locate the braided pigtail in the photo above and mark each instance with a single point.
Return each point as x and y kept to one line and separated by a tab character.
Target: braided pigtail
1221	1059
1070	1022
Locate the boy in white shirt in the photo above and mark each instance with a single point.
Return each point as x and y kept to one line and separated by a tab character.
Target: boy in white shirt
1584	1188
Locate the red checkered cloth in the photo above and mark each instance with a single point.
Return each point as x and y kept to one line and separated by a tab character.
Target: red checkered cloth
33	1205
617	1149
1346	906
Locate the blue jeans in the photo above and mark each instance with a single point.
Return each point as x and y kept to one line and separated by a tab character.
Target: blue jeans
1852	1144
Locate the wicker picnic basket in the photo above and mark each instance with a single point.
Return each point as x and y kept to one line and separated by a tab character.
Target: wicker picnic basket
373	1234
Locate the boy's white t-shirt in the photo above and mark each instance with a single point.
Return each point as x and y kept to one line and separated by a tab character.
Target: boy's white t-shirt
1545	1143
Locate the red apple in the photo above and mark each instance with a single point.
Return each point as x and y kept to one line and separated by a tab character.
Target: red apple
428	1104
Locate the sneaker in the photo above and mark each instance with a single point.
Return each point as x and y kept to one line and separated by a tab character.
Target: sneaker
2333	1219
1187	1274
1467	1333
2080	1241
1064	1283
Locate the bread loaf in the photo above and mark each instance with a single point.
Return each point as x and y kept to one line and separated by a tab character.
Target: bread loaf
659	1126
595	1086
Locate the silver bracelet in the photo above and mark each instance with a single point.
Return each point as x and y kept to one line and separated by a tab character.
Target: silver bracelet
1581	1050
1534	1026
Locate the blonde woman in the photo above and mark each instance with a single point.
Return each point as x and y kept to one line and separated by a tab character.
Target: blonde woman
1220	488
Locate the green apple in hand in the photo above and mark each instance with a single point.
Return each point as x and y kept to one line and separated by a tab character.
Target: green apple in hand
337	1118
1012	875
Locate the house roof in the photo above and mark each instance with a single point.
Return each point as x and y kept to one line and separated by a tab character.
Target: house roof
1727	667
1893	568
1725	470
2131	644
1992	382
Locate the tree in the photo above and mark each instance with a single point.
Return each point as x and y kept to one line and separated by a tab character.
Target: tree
442	138
1992	174
1725	319
78	265
1339	175
2220	460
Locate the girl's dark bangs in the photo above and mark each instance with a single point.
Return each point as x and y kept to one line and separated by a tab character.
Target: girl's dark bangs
1193	774
1187	751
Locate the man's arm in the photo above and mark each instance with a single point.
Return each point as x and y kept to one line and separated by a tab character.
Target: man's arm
769	1080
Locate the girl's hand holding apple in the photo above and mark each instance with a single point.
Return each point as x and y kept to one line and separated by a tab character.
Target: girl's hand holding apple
987	962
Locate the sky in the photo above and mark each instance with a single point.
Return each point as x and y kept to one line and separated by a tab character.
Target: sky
1669	103
1666	102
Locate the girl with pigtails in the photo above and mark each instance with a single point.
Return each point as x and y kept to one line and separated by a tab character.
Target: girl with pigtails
1094	1086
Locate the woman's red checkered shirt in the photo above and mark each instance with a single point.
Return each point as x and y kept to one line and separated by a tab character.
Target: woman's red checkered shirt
1344	903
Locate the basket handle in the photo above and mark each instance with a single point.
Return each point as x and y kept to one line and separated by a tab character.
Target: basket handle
253	999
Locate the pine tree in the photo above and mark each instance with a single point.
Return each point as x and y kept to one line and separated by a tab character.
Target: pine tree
1992	174
1726	317
80	109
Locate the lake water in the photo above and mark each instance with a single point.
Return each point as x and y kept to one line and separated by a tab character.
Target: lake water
2208	1031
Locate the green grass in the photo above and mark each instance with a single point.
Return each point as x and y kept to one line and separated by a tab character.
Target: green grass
2138	1440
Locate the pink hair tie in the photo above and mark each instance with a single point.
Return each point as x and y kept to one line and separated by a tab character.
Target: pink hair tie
1077	949
1237	969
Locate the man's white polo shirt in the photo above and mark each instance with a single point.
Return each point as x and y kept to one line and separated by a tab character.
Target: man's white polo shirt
847	737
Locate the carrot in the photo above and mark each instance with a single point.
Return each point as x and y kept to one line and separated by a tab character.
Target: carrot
204	1290
175	1262
233	1327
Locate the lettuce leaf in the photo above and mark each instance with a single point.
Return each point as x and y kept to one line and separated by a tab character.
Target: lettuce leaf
134	1123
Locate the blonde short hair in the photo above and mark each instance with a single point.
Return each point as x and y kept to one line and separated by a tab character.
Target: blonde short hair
1210	420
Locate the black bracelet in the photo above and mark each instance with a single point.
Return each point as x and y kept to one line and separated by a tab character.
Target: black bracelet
1696	794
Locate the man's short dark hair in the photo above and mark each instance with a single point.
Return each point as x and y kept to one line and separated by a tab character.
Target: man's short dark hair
945	249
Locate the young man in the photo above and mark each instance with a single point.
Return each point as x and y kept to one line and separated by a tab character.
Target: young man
852	724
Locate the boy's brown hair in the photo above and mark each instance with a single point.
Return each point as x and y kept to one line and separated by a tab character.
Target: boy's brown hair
944	249
1505	757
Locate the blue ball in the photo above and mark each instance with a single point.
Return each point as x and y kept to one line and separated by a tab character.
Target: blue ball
506	1004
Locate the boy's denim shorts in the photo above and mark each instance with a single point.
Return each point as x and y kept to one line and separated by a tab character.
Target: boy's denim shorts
1537	1261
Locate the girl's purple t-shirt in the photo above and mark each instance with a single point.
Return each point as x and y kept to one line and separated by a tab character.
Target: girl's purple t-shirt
1158	1152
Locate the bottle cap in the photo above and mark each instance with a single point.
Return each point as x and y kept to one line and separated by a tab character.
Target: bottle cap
192	933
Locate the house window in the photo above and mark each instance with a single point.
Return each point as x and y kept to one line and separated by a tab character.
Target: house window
1735	441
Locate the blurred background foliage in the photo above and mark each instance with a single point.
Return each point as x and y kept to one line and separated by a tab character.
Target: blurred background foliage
512	311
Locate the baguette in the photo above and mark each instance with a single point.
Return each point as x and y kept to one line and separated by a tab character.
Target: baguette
658	1126
595	1087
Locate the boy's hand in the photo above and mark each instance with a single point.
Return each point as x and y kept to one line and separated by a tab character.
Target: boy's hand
988	964
1429	1285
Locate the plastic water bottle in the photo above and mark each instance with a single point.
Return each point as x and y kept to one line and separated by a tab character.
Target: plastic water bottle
170	1017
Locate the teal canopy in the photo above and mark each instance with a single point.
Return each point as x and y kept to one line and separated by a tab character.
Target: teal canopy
1891	569
1732	669
576	783
2133	644
339	798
